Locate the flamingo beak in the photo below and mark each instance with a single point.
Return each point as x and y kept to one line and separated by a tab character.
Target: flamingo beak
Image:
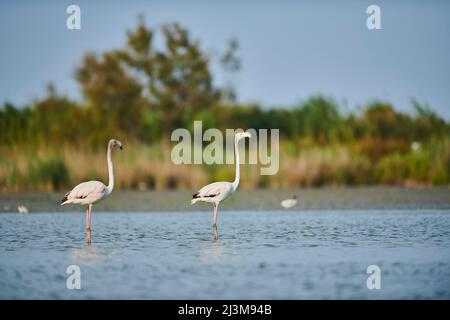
121	148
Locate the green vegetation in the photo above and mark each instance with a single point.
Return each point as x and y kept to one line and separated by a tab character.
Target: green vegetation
141	92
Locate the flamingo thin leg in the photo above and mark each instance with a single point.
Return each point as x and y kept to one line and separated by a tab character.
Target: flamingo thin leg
216	234
215	215
88	224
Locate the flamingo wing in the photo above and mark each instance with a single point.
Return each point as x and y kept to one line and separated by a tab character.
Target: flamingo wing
213	190
85	192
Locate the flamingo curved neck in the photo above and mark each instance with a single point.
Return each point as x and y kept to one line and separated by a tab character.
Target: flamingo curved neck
238	173
110	170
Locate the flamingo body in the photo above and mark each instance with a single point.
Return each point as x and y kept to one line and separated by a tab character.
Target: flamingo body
213	192
86	193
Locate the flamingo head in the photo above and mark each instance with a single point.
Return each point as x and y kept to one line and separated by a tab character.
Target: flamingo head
115	143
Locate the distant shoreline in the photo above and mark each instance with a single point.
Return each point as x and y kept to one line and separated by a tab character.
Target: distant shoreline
377	197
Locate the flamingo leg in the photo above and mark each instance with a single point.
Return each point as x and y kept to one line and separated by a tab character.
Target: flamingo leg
88	224
215	215
216	234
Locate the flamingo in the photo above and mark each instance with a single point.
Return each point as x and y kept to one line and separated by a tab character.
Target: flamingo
289	203
217	191
91	192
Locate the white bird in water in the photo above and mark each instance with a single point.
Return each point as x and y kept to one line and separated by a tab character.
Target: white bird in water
218	191
289	203
88	193
22	209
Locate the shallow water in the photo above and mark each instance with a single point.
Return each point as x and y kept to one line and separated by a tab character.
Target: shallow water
262	199
303	254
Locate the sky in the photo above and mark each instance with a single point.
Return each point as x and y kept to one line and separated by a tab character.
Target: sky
290	50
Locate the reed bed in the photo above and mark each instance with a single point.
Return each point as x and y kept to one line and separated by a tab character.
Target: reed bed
149	167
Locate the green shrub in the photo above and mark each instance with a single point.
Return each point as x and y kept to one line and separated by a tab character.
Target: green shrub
52	171
392	170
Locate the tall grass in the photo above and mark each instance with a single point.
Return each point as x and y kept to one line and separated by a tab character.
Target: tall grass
145	167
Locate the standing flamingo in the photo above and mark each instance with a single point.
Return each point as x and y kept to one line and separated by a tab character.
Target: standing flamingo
218	191
90	192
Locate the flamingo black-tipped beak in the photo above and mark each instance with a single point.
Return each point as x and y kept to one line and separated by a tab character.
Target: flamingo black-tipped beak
121	148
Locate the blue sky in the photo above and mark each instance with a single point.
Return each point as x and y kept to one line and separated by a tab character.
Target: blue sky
289	49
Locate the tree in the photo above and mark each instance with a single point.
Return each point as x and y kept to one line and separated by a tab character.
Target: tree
112	93
176	78
54	118
319	118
